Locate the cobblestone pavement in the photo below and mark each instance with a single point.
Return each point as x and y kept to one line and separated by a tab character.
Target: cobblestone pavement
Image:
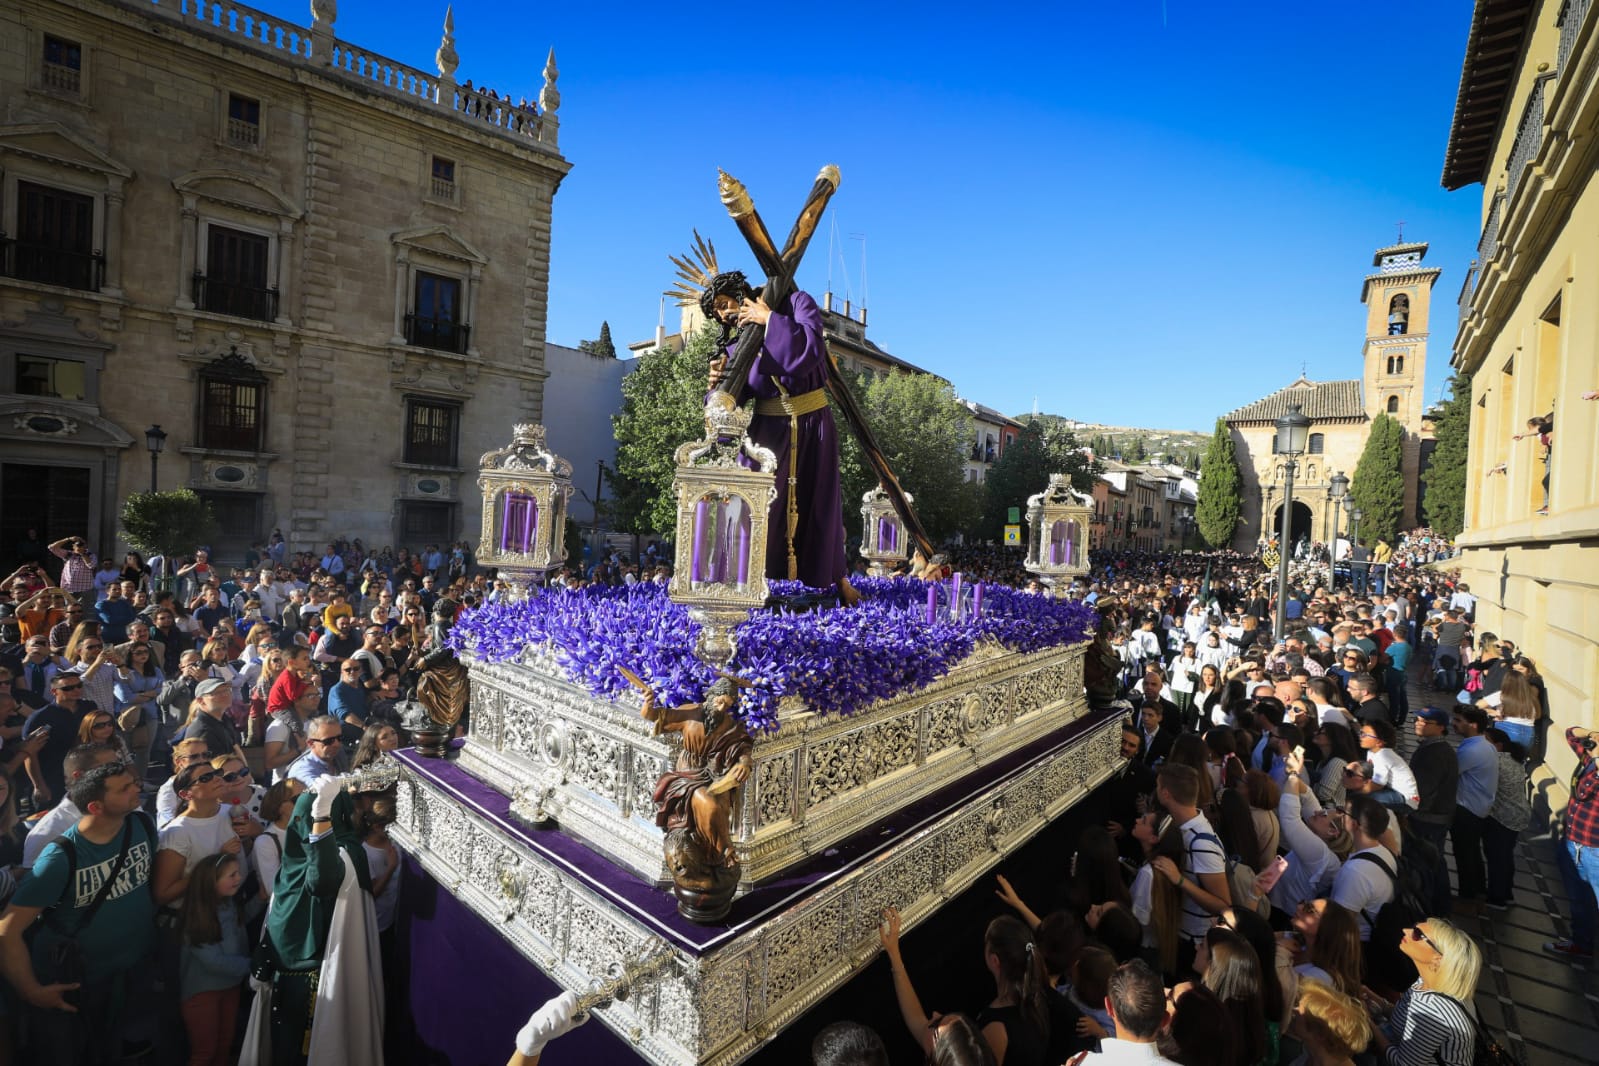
1547	1007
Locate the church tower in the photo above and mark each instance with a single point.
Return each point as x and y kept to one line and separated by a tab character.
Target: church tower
1398	299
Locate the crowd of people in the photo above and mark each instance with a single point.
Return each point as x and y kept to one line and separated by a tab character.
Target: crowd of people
1270	887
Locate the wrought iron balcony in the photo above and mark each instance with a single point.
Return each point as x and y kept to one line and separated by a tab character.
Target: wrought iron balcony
50	265
232	298
1488	243
439	333
1573	13
1529	138
1468	289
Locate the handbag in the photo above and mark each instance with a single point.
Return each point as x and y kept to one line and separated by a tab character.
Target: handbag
63	959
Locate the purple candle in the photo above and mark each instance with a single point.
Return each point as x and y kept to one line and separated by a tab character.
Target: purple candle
932	601
977	602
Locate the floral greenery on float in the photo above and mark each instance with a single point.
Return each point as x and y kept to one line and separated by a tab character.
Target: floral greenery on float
836	660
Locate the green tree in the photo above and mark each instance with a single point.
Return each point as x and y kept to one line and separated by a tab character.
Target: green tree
1138	453
1378	487
663	405
602	348
1217	509
1025	469
1444	503
924	433
167	523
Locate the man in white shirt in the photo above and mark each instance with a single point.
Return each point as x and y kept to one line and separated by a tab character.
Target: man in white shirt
1364	885
1203	874
64	815
1392	784
272	595
1136	1000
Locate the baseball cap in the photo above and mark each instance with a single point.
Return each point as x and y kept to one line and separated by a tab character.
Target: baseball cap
209	685
1433	715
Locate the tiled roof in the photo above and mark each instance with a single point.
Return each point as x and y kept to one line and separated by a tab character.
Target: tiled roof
1321	400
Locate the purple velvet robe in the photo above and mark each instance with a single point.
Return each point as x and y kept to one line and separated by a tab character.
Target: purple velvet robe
796	355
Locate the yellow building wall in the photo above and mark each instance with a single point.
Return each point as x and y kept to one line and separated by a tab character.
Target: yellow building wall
1536	347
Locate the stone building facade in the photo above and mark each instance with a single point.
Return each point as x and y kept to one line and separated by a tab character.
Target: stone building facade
321	271
1398	301
1526	134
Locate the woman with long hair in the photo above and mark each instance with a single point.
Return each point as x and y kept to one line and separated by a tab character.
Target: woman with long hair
99	727
1016	1021
1235	824
1199	1032
1510	814
1263	796
1231	970
1431	1024
1226	769
1325	940
1540	734
1157	903
1189	749
135	569
1515	707
1338	748
377	740
138	685
10	824
1208	691
1278	982
1332	1026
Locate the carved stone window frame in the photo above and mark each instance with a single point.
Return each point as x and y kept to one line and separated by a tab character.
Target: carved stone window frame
47	153
247	92
439	250
242	202
36	75
430	192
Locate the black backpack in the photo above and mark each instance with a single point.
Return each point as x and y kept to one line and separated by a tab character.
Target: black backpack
1387	967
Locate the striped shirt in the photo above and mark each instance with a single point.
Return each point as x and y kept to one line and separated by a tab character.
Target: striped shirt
1428	1028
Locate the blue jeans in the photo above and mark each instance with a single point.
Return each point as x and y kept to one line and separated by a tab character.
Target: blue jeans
1391	799
1579	869
1519	732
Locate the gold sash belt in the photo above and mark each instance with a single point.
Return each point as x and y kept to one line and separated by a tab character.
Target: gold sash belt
793	406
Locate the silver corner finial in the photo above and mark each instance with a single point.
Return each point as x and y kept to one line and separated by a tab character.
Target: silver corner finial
445	57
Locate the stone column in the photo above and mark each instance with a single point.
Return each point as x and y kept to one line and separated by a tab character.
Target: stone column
112	285
402	275
284	274
190	234
471	307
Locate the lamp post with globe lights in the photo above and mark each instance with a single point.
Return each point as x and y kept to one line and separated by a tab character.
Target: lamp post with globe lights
1293	430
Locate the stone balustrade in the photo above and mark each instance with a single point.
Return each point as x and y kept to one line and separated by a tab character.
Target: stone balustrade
317	48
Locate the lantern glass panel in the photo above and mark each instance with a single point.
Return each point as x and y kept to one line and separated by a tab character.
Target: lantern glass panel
887	534
1062	534
519	523
721	541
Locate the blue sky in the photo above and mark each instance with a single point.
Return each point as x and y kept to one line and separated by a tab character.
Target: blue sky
1146	212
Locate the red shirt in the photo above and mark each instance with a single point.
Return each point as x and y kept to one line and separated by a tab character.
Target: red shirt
286	691
1582	812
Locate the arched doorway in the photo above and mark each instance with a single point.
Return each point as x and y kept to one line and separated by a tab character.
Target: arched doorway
1299	523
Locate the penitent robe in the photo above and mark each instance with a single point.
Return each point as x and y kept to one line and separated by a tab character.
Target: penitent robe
796	355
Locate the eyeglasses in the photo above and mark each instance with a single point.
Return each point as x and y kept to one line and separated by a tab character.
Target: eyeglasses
68	688
1417	935
93	647
1368	736
327	740
235	776
104	723
205	778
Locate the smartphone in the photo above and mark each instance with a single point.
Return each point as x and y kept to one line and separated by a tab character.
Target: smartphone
42	731
1270	875
1299	752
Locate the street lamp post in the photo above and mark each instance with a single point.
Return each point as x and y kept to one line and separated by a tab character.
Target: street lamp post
1337	489
154	439
1354	546
1293	429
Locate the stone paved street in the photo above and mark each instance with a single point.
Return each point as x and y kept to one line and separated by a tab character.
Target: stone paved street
1548	1007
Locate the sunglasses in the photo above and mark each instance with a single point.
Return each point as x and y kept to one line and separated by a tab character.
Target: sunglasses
205	778
102	724
1417	936
68	688
327	740
235	776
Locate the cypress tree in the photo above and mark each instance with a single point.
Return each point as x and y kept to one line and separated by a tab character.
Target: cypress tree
1379	485
1217	508
1444	502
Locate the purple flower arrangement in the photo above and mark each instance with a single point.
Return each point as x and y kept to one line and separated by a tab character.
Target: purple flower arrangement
836	660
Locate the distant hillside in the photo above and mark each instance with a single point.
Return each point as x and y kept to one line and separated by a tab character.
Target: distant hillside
1176	445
